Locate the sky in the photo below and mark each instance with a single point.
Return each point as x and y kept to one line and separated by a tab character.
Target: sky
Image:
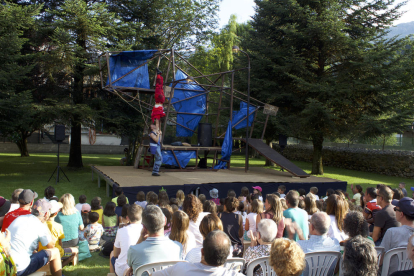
244	9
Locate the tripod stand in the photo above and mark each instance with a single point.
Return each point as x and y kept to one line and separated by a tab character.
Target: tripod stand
58	168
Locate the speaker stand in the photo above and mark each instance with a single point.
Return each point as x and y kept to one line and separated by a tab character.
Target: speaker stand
58	168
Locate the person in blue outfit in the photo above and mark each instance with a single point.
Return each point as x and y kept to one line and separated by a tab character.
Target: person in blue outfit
155	148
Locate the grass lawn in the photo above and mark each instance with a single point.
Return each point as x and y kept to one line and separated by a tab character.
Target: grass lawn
33	173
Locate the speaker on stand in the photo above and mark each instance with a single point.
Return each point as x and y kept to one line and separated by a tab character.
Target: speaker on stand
59	138
205	134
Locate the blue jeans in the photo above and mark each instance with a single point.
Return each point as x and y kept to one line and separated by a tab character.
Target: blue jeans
157	160
37	261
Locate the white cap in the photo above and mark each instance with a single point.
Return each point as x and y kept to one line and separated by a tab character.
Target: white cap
56	206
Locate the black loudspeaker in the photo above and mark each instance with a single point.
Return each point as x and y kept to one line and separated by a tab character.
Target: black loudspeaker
282	140
59	133
205	131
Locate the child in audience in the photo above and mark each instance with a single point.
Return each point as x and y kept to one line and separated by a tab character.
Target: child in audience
231	193
49	193
118	192
401	185
97	208
168	215
109	221
240	211
121	202
123	219
82	200
210	207
163	198
175	208
153	198
328	193
281	190
86	209
173	200
257	208
257	190
94	230
141	199
214	196
357	190
202	198
243	194
180	196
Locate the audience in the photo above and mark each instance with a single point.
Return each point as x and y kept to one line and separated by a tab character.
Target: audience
126	237
385	218
97	208
24	240
360	258
401	185
336	209
209	207
233	225
26	199
398	194
371	206
82	201
354	225
397	236
257	190
179	232
152	245
357	190
194	209
295	214
118	191
310	205
122	219
15	200
281	190
163	198
120	202
180	196
214	254
4	208
168	216
410	255
286	257
314	191
251	219
71	221
109	221
94	230
141	199
202	198
273	211
261	242
49	193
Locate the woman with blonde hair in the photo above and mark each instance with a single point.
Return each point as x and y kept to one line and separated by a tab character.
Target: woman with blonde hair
287	258
310	205
179	232
336	208
257	209
71	221
180	196
273	211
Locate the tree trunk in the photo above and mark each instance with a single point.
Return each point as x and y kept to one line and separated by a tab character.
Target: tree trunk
75	154
317	166
22	145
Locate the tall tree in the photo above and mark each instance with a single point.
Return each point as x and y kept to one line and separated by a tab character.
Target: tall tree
327	65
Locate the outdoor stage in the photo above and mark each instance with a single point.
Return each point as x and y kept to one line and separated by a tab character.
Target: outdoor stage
133	180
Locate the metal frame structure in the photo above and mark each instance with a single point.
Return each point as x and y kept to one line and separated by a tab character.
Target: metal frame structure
209	84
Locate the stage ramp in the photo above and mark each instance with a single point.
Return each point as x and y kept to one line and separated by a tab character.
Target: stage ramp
275	157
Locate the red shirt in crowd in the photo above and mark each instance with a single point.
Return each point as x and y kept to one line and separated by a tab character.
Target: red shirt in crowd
372	207
10	217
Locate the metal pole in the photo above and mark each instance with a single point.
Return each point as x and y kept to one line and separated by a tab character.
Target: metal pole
246	167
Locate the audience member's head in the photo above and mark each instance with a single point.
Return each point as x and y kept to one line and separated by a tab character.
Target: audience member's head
360	258
134	213
216	248
240	208
384	195
174	200
49	192
281	189
41	209
192	206
371	193
301	204
202	198
179	226
231	193
210	223
257	206
180	196
82	199
141	196
292	199
310	204
330	192
118	191
287	258
244	191
68	202
152	198
274	206
335	205
231	204
153	219
93	217
358	189
401	185
301	192
355	224
15	196
109	210
398	194
55	208
319	205
168	216
85	218
96	203
220	209
319	223
404	210
27	197
163	198
121	200
267	230
175	208
86	208
124	211
314	190
210	207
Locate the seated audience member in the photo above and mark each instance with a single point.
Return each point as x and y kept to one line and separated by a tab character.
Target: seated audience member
4	208
26	232
240	211
371	207
286	257
179	232
123	219
15	200
141	199
109	221
152	245
360	258
302	192
121	201
357	190
194	209
86	209
118	192
244	192
251	219
175	208
281	190
397	236
94	231
82	201
56	230
273	211
232	193
49	193
398	194
314	191
261	242
328	193
295	214
336	209
385	218
354	225
180	196
163	198
215	251
152	198
257	190
318	239
209	223
202	198
209	207
97	208
126	237
7	266
168	216
71	221
310	205
410	255
233	225
401	185
26	199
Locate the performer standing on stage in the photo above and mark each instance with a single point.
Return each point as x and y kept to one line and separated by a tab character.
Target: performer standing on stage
155	148
158	109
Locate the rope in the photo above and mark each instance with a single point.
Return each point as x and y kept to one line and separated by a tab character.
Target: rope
129	103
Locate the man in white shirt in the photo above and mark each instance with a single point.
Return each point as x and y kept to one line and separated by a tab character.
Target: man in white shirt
215	250
125	237
26	232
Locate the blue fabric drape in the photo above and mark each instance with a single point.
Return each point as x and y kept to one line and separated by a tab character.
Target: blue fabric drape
182	156
226	148
239	115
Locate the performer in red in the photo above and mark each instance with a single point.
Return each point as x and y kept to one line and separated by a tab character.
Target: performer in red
158	109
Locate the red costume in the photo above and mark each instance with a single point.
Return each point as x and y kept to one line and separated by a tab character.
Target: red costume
158	109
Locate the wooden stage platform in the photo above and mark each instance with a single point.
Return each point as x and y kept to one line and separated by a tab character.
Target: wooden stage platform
137	179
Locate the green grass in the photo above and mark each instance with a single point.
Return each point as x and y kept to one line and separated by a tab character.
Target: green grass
33	173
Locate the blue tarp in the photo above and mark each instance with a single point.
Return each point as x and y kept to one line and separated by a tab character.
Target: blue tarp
124	62
182	156
194	105
226	148
239	115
